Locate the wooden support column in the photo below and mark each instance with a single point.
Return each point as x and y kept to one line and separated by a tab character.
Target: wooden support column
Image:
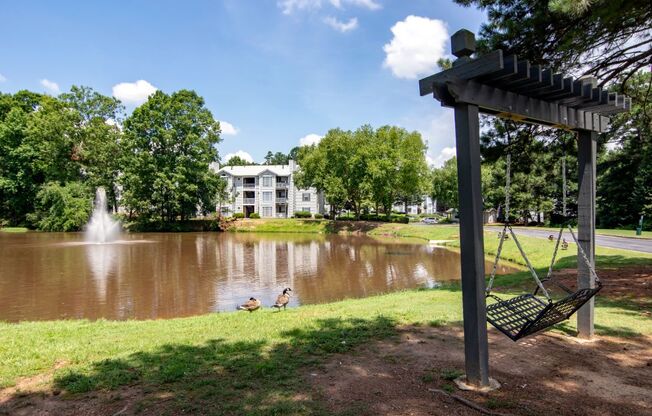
586	225
476	354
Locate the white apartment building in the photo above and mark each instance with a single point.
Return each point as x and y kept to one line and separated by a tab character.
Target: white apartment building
268	190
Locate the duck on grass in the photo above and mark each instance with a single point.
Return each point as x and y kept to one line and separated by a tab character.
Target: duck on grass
254	304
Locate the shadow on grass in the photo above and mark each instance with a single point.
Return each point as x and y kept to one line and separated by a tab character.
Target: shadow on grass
218	377
352	226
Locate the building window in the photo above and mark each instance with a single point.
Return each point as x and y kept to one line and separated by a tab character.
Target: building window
267	211
267	181
305	197
305	209
267	197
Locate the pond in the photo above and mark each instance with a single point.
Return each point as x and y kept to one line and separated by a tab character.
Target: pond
163	275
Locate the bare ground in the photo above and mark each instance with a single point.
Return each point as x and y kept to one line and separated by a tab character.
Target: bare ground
547	374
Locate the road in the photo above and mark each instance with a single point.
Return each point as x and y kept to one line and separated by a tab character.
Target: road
624	243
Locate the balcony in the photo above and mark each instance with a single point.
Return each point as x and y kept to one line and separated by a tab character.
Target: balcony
249	184
281	200
248	201
281	215
282	185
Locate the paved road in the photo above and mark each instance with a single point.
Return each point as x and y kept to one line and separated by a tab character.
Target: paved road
635	244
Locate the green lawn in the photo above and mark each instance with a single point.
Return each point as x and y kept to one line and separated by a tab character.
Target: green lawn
227	362
236	359
13	230
601	231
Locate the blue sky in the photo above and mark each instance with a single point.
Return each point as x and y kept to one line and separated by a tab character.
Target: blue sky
276	71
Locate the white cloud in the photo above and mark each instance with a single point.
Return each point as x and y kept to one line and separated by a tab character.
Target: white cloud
368	4
417	44
2	78
241	154
310	139
290	6
341	26
445	154
134	93
228	129
50	86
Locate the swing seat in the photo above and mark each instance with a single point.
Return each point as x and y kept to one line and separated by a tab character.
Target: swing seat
527	314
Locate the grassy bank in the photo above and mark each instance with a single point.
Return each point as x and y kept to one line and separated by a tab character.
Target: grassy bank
13	230
231	361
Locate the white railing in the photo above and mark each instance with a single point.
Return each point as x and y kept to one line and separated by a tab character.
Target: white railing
248	201
249	185
282	184
281	200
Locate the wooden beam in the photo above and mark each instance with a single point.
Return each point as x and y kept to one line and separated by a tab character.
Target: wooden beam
476	348
587	143
486	64
491	100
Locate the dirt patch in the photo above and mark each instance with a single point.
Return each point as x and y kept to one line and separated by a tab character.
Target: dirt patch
632	283
549	374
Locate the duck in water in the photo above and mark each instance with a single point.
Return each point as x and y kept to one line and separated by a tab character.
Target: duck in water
283	299
251	305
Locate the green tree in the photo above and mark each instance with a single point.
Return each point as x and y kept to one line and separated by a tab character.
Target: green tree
169	143
237	161
62	207
97	148
609	39
444	185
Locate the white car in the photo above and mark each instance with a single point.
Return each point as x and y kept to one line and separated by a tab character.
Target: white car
430	220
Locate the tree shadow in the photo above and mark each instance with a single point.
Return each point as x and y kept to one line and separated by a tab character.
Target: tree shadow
217	377
346	227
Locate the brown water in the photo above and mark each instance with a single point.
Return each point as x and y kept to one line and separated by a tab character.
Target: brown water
148	276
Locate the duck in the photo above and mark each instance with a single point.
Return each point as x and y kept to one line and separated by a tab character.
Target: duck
564	244
551	237
283	299
251	305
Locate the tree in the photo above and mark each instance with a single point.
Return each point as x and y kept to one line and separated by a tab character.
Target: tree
278	158
338	167
413	169
62	208
237	161
169	143
444	184
97	148
608	39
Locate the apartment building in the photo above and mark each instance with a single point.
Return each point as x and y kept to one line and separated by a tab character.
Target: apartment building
268	190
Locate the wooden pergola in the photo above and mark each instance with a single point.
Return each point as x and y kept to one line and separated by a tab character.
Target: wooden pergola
506	86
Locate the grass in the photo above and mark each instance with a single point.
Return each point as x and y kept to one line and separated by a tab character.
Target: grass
631	233
13	230
241	363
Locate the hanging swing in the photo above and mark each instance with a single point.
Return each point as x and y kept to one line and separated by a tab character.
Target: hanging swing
527	314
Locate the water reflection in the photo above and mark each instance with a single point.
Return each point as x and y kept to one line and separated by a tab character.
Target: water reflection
53	276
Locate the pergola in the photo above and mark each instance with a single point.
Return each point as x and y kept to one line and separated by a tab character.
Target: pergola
506	86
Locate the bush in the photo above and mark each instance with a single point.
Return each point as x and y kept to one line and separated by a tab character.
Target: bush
62	208
302	214
238	215
319	216
254	215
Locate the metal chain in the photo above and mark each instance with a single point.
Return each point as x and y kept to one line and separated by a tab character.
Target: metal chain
529	266
583	254
508	163
495	267
563	176
554	254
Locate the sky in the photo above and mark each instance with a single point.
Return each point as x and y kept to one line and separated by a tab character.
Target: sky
276	73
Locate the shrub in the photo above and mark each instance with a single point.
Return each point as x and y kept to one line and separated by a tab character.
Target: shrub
62	208
254	215
238	215
302	214
319	216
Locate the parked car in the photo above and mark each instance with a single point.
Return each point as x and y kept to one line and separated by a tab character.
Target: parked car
430	220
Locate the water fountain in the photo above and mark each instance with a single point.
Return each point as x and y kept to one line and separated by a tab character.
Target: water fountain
101	228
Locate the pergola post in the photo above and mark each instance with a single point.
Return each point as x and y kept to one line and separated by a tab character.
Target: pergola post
586	159
476	347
